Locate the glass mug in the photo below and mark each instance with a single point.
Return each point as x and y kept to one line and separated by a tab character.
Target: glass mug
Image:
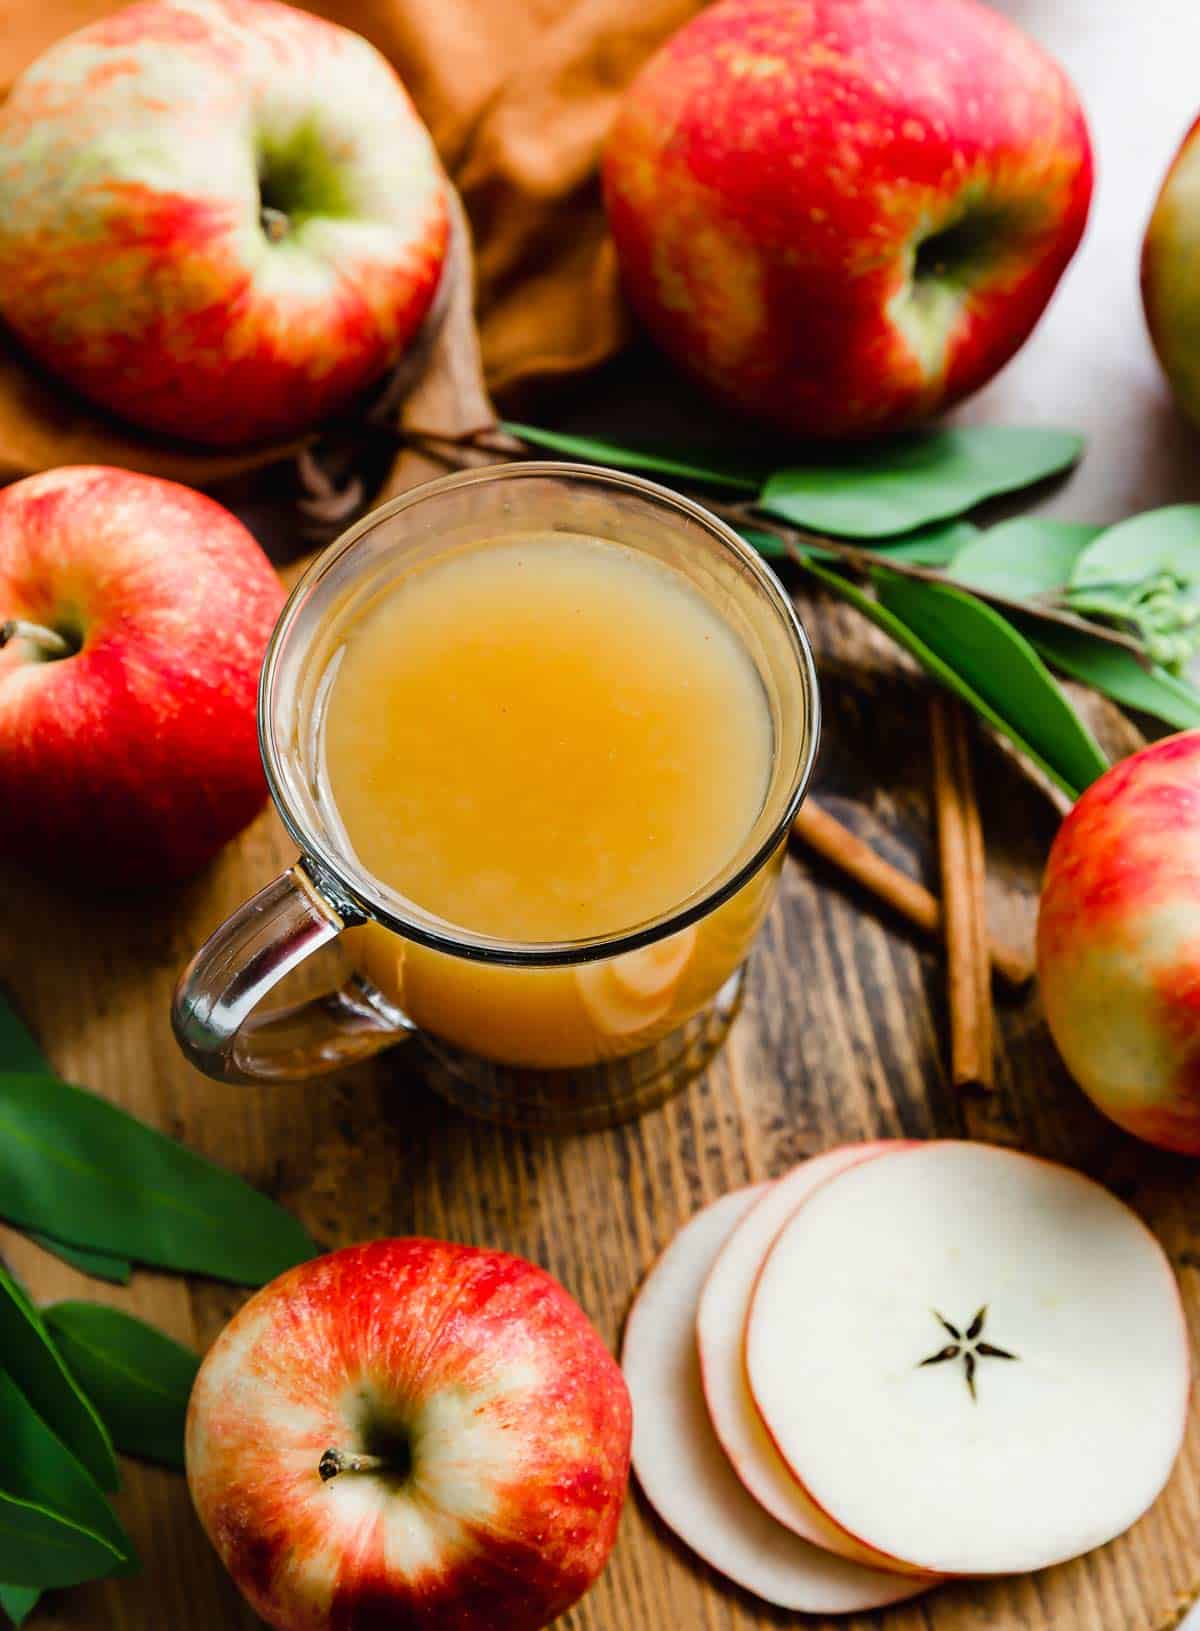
569	1034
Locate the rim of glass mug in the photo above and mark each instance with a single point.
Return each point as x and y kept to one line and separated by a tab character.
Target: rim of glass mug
348	884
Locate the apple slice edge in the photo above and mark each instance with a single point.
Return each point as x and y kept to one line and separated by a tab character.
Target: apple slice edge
1160	1291
680	1466
720	1331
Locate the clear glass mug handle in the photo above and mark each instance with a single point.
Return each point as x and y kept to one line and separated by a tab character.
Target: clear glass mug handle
273	933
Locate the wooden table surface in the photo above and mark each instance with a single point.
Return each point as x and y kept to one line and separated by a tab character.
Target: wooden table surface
843	1037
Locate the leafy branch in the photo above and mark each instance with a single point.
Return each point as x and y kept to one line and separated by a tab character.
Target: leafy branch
1114	608
803	546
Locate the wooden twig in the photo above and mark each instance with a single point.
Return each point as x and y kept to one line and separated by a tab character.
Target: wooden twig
846	851
867	561
960	839
457	451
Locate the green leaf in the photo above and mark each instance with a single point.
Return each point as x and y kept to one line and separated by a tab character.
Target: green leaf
139	1379
19	1052
72	1163
887	620
56	1528
1117	673
1144	576
31	1359
935	545
1166	540
19	1602
40	1548
909	481
682	463
1028	556
766	543
118	1271
1003	668
929	660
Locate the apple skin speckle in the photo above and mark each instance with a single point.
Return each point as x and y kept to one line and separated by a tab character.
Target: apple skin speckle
773	167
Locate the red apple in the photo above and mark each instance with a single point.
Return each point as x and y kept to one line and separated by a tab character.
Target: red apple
218	218
410	1435
1119	943
1171	274
842	216
135	615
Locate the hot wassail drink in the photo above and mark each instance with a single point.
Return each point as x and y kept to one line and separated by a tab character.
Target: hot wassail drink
546	739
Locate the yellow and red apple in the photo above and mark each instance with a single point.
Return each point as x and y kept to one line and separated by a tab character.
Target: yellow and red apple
410	1434
1119	943
1171	274
845	215
218	218
134	614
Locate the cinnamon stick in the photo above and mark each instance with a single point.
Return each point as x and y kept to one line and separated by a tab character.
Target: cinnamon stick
846	851
960	838
977	875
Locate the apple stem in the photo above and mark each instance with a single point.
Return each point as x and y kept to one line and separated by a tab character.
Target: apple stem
336	1461
47	642
275	223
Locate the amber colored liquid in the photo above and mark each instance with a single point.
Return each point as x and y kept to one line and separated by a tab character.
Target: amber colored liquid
546	739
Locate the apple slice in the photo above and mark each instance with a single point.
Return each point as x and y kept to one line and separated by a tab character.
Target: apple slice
720	1330
679	1462
973	1360
629	993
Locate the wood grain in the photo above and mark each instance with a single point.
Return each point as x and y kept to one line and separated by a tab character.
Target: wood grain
844	1032
892	889
843	1038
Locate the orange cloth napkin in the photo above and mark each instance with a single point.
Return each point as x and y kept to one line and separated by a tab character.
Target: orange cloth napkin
518	95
